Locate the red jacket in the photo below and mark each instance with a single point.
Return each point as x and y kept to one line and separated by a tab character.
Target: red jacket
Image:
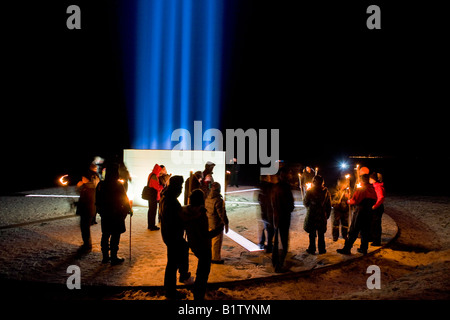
366	191
153	181
379	189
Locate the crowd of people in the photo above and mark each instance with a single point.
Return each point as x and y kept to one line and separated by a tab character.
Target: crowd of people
199	223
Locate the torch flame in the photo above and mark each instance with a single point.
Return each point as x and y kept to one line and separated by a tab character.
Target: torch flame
358	185
347	176
64	180
308	185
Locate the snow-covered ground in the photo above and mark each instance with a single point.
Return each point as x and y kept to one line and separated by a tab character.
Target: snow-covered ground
40	238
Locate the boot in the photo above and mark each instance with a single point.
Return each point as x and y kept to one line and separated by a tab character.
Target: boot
346	249
105	257
115	260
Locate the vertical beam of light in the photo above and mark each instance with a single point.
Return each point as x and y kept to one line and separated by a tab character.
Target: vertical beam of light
177	68
143	72
213	14
186	24
169	62
155	76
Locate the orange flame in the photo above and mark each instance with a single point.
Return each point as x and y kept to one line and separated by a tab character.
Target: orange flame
64	180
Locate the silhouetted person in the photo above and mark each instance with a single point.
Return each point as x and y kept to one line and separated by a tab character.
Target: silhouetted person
340	213
155	195
318	204
86	208
113	206
172	231
363	198
207	177
190	186
307	176
199	239
283	205
217	220
264	199
124	175
234	173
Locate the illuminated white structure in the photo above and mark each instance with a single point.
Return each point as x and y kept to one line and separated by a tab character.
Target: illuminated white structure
178	162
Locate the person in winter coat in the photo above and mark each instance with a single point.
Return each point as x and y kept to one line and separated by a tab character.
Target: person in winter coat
364	199
340	213
307	176
265	203
318	204
282	206
113	206
207	177
154	183
217	220
172	232
190	186
199	239
86	208
378	209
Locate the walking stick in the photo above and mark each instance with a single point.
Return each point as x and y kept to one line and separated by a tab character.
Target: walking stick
131	214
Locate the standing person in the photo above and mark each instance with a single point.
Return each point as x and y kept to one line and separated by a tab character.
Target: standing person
306	177
282	205
340	214
234	171
124	175
364	198
378	209
113	205
318	203
155	195
265	203
199	239
217	220
86	208
172	232
190	186
207	178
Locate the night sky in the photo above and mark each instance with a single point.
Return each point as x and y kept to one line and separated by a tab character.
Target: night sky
314	71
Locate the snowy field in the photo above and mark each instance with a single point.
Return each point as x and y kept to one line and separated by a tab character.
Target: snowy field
40	238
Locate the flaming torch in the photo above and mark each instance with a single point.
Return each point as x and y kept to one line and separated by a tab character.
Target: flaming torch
64	180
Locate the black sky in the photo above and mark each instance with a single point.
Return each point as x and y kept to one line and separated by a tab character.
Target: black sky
314	71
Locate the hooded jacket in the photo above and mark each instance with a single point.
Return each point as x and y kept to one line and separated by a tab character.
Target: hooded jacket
215	206
379	189
196	225
172	229
153	181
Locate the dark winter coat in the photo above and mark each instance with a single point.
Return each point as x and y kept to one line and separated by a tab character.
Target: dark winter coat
86	204
172	229
196	226
282	204
318	204
215	210
112	205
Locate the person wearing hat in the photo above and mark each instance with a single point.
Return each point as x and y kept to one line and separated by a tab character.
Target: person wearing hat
207	178
364	199
172	232
113	206
199	239
318	204
217	220
282	202
86	205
